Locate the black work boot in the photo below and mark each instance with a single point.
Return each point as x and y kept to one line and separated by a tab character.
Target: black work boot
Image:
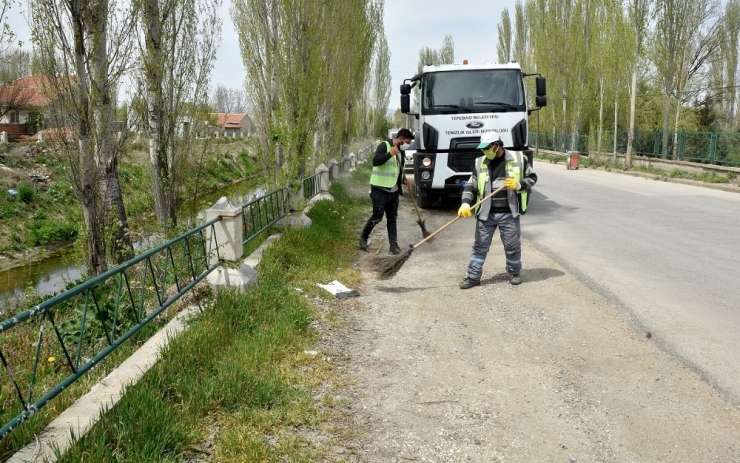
395	250
515	280
363	243
468	283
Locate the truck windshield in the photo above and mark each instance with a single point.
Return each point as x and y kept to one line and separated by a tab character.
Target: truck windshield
473	91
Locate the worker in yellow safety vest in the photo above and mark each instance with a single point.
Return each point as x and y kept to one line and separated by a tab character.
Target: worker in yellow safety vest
386	181
498	166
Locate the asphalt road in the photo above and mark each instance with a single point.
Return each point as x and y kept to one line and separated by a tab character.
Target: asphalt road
668	253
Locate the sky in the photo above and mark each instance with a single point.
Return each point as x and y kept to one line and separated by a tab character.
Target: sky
410	25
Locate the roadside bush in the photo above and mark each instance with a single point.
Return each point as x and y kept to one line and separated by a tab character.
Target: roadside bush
43	231
61	192
711	177
8	208
678	173
139	145
26	193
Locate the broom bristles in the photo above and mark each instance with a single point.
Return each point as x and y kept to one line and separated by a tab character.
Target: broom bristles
386	267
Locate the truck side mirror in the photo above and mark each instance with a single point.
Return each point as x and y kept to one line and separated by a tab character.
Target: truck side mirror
405	103
541	101
405	89
541	84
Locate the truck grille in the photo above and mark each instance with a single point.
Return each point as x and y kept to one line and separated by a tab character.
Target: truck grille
462	162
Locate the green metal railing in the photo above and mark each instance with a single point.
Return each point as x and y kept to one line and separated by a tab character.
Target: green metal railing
720	148
91	320
311	186
88	322
261	213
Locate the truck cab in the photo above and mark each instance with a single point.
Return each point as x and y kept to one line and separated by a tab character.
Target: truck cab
456	104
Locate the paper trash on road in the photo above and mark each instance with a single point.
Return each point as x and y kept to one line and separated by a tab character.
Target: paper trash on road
339	290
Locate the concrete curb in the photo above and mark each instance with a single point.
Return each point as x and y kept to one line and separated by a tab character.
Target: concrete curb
79	418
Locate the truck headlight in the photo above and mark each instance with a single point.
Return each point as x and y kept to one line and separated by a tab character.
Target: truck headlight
426	162
425	175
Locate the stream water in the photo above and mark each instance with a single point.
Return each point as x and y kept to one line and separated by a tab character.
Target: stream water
51	275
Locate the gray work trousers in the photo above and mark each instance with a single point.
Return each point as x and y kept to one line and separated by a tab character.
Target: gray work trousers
510	236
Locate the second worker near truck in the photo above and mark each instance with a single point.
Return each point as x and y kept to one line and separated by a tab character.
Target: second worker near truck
495	168
386	181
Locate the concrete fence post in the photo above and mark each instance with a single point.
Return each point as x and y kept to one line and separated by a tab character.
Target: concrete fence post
333	169
3	137
324	182
41	137
352	161
345	165
227	234
296	198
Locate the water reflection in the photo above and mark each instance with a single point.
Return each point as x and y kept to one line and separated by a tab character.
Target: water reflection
50	276
46	277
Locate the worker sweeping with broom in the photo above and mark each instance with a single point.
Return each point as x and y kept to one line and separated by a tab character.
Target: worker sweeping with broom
386	181
512	177
497	168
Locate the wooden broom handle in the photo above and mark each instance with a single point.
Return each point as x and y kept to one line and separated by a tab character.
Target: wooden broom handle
413	200
455	219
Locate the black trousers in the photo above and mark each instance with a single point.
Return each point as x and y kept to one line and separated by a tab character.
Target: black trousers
384	203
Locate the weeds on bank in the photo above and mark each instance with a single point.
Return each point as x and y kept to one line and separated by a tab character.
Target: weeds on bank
706	177
609	165
237	386
52	371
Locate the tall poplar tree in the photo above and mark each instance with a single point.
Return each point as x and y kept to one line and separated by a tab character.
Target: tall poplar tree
82	48
381	85
178	44
638	11
503	48
728	62
307	86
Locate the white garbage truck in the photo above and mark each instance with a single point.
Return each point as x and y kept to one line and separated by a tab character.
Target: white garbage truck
455	104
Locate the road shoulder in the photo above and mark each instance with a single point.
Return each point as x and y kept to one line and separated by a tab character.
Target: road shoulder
546	371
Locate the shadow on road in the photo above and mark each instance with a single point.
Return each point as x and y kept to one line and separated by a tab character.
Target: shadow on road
540	274
529	275
404	289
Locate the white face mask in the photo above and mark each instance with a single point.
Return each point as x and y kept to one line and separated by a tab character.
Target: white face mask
404	146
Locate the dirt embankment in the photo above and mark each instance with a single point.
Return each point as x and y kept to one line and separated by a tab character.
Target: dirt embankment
542	372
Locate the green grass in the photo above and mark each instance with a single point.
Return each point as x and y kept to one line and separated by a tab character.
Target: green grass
238	384
28	431
609	165
706	177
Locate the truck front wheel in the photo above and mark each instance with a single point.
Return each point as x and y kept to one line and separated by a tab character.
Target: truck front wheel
425	199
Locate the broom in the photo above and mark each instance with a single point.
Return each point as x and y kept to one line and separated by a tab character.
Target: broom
387	267
424	231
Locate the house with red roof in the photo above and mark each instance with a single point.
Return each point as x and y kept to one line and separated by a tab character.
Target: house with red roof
22	102
233	125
